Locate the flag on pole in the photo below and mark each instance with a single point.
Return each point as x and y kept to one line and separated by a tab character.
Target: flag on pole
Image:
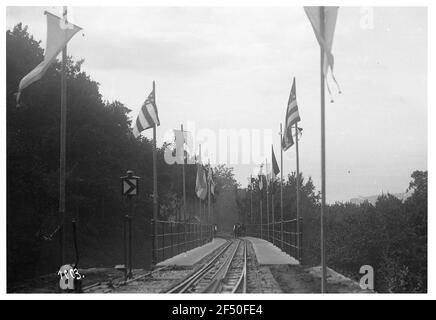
59	32
267	175
201	183
252	182
326	41
275	166
261	177
180	139
210	179
148	116
275	170
292	117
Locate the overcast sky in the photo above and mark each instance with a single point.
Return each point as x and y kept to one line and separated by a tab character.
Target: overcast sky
232	68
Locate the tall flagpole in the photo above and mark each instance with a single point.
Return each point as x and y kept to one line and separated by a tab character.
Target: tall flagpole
251	199
183	173
267	198
199	163
62	156
155	203
298	191
272	210
208	194
323	185
281	183
261	219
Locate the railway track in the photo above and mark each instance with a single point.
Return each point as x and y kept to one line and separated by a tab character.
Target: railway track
225	272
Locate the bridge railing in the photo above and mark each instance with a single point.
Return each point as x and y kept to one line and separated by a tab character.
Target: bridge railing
175	237
282	234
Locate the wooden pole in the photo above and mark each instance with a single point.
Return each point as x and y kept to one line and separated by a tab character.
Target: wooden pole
261	220
323	184
62	156
199	163
267	198
251	199
281	174
298	192
155	195
183	173
272	212
208	193
281	186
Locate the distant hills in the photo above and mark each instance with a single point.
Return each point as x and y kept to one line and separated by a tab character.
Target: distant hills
373	199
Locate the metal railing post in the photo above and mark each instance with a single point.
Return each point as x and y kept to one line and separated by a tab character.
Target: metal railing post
153	249
185	244
300	249
172	240
163	239
125	247
130	248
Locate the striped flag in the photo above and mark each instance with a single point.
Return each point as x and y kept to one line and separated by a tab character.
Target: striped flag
148	116
59	32
292	117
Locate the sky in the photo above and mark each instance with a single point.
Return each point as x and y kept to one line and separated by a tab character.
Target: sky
230	68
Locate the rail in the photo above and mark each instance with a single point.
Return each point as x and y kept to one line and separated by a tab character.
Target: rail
226	271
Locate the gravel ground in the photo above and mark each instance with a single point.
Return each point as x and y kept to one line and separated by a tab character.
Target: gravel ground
296	279
259	278
277	278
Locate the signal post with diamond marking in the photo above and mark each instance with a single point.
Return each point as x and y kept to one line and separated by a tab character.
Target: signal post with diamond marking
129	189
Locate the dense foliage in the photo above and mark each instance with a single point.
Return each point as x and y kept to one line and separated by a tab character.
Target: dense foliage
100	148
390	236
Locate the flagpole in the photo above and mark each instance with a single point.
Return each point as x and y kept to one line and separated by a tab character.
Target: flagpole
155	203
261	220
251	199
281	183
183	173
199	163
62	156
208	194
272	210
323	176
298	191
267	198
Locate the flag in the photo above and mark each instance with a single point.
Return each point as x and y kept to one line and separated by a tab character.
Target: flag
181	139
292	117
275	166
59	32
267	175
148	116
326	40
261	177
201	183
210	179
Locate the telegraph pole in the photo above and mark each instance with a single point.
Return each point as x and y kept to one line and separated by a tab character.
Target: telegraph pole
323	184
155	195
281	184
298	192
62	162
183	173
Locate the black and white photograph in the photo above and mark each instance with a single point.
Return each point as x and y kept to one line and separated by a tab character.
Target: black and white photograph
248	151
